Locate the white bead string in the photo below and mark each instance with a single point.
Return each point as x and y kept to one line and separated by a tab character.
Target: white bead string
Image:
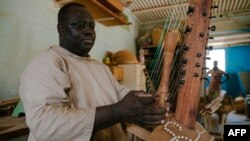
178	137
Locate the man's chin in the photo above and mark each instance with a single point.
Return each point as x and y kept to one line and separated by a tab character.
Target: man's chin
86	46
85	51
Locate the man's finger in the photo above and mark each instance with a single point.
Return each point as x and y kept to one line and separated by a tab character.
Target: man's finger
152	123
155	111
147	100
154	117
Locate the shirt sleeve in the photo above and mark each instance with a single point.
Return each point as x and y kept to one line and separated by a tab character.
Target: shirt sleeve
121	90
49	113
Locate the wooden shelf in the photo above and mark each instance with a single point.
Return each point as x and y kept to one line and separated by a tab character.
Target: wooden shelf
107	12
114	5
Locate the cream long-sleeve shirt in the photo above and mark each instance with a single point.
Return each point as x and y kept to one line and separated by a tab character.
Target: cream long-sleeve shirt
60	92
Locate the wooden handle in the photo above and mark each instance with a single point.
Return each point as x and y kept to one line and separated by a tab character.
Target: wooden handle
170	44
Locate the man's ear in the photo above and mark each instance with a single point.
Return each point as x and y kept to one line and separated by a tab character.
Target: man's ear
59	28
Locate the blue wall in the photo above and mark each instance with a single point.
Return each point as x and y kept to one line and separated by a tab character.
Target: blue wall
237	59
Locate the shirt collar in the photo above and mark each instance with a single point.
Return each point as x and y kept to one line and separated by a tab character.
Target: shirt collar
66	52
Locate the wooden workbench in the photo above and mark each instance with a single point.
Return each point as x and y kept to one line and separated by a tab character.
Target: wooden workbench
12	127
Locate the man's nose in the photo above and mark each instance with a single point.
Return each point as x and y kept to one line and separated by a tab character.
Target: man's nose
88	32
88	29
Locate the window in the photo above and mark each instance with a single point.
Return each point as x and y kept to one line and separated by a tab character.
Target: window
216	55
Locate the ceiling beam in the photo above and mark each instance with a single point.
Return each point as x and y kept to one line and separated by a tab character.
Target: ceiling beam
160	8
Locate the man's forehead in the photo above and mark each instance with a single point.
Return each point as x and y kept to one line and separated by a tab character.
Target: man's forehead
78	11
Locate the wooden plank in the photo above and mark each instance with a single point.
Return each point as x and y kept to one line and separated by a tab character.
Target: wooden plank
9	102
139	131
114	5
189	93
99	12
11	127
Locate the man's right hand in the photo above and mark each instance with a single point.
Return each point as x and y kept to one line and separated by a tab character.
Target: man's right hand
137	107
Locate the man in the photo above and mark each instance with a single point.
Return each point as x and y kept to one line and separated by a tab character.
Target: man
68	96
215	81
